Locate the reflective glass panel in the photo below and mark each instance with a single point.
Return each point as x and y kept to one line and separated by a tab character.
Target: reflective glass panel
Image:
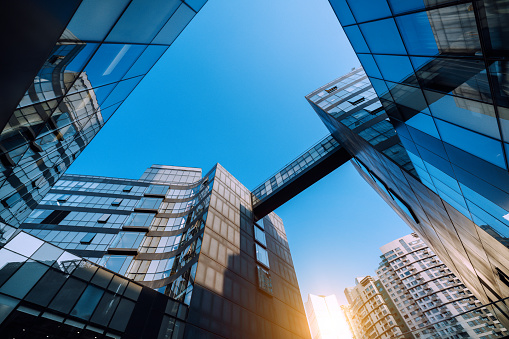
94	19
473	115
262	256
87	303
356	39
343	12
476	144
24	244
142	21
150	203
260	236
364	10
175	25
377	36
395	68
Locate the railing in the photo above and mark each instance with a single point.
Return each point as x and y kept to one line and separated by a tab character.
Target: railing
297	166
492	319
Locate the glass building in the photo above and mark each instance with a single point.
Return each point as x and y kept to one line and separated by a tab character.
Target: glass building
191	238
74	66
438	69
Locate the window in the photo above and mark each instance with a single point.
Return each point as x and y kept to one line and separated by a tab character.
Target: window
264	280
262	256
157	190
63	198
140	219
127	188
117	202
104	218
87	239
150	203
260	236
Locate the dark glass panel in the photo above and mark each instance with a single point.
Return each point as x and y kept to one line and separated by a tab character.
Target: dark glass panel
133	291
356	39
20	283
499	74
460	77
122	315
9	263
497	16
67	296
383	37
105	309
343	12
408	96
87	303
46	287
102	278
365	10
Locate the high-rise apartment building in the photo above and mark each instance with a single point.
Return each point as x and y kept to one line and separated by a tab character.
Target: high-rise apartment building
326	319
189	236
68	71
439	71
429	297
368	314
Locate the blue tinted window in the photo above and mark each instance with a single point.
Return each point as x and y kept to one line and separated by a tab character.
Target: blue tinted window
380	88
175	25
143	20
356	39
365	10
94	18
111	63
399	6
395	68
417	34
383	37
476	144
424	123
451	32
196	4
121	91
473	115
146	61
369	65
87	303
343	12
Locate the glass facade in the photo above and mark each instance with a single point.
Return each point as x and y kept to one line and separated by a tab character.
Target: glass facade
102	53
46	291
438	71
178	233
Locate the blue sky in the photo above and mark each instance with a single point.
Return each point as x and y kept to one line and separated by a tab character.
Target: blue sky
231	90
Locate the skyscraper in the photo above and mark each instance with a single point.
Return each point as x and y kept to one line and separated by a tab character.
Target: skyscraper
188	236
439	70
325	317
73	66
425	292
